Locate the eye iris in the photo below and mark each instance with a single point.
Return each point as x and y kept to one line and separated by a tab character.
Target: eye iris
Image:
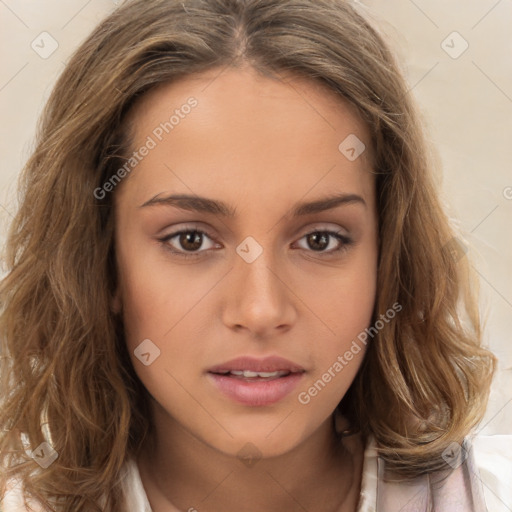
191	237
314	243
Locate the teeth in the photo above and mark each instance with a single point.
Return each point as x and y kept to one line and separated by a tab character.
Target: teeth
249	373
268	374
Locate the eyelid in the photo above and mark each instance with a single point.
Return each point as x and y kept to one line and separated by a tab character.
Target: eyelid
324	228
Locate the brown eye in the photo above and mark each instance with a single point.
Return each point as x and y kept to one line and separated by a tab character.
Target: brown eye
190	240
319	241
187	242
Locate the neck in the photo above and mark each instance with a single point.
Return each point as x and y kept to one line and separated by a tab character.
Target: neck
181	472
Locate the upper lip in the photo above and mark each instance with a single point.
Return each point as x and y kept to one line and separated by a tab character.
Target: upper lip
265	364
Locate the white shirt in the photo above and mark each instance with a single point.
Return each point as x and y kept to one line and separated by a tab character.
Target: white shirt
482	483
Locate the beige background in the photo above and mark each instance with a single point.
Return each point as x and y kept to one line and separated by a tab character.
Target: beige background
465	96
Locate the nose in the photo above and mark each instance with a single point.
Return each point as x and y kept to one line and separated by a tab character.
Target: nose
258	297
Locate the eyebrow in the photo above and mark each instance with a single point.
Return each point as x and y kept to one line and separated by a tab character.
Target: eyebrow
202	204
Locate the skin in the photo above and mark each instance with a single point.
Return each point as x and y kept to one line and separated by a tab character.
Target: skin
261	145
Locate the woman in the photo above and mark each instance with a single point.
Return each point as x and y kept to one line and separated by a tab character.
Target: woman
232	286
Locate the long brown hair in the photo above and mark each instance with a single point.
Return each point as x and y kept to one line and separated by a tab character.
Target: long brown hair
425	378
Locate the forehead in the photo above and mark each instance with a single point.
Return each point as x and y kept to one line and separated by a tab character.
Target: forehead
231	93
246	130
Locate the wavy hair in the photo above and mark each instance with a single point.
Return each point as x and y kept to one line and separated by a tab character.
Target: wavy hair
66	376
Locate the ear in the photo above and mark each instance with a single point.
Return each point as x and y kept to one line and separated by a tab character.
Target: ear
116	305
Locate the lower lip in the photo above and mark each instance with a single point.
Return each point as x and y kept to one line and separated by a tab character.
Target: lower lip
256	392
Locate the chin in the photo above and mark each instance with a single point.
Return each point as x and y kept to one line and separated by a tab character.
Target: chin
260	439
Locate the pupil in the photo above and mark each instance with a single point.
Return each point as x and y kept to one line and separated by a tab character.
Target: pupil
313	238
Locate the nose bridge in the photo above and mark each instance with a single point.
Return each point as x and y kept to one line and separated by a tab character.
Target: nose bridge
259	276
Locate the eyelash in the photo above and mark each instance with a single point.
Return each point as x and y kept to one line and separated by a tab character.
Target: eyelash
346	242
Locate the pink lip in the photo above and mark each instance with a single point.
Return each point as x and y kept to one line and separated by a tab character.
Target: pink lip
256	392
265	364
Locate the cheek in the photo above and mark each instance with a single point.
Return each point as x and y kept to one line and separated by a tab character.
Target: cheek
345	308
150	289
347	315
346	300
339	352
168	305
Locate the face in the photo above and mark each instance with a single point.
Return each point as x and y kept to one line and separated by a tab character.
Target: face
254	271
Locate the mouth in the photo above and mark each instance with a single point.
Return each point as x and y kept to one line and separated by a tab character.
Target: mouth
256	382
